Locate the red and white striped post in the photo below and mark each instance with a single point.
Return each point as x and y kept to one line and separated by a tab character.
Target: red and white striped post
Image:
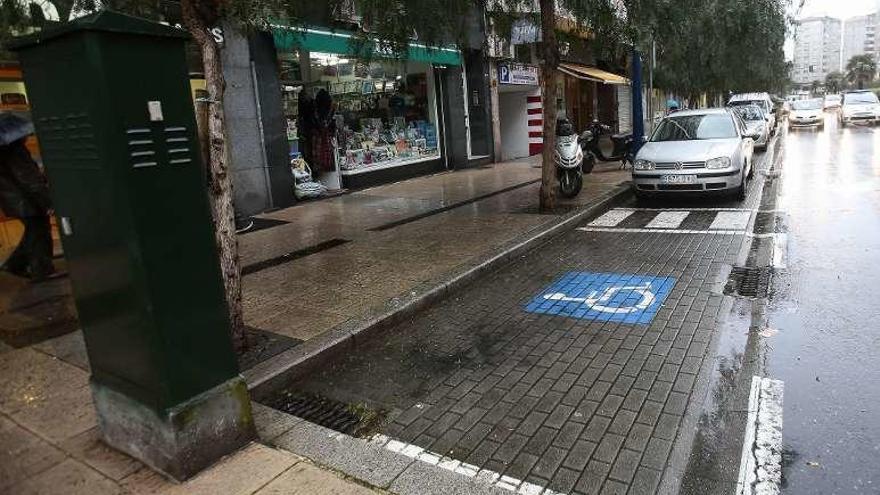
535	110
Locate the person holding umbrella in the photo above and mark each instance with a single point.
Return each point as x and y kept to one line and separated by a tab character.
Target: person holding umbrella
24	194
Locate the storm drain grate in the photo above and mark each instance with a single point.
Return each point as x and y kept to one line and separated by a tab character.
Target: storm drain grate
355	420
749	281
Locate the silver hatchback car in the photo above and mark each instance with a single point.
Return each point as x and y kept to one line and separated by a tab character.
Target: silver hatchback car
707	150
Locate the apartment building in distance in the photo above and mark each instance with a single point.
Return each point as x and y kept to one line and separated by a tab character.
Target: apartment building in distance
859	36
817	49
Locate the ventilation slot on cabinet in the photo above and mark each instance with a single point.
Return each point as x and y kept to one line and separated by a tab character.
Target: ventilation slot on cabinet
141	149
178	145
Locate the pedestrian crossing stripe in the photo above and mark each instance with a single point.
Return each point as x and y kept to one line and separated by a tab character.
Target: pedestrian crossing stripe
730	220
668	220
726	221
611	218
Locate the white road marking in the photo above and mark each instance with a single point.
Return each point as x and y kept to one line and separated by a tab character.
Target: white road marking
662	231
686	209
594	302
611	218
668	220
760	469
729	220
469	470
780	250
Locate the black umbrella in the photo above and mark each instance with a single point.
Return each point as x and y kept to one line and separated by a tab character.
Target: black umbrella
13	128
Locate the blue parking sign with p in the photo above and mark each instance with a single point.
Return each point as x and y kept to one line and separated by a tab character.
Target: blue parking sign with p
620	297
503	74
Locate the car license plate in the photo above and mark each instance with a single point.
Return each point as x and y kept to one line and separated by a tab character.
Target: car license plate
679	179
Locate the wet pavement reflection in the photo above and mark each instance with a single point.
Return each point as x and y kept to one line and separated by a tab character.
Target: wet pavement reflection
826	311
817	331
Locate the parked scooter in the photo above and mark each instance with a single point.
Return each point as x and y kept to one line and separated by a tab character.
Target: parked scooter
621	149
568	157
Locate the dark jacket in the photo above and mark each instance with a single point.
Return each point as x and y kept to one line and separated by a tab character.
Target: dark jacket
23	188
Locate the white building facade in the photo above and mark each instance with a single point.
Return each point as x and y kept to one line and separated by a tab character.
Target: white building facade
859	36
818	49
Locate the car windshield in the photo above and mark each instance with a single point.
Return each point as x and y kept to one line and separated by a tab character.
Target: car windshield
861	98
750	113
807	105
694	127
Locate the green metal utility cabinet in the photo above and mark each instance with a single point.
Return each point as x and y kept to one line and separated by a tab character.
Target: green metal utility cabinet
112	107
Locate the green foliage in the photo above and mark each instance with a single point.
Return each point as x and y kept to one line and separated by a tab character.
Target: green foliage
721	45
702	45
835	82
860	70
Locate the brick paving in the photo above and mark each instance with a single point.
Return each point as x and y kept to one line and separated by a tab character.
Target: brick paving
577	406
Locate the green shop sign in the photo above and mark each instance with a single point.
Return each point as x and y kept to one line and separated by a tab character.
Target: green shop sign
341	42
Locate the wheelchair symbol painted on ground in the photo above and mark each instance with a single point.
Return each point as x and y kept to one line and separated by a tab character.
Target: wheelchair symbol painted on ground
621	297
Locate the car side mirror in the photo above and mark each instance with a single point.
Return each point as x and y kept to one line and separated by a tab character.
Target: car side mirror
752	135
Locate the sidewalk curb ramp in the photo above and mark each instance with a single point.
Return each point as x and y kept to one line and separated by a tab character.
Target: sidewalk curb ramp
265	377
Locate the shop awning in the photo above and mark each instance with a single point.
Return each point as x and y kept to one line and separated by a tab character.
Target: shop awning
591	74
342	42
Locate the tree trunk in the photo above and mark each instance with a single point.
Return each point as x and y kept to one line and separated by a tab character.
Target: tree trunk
549	63
220	183
63	9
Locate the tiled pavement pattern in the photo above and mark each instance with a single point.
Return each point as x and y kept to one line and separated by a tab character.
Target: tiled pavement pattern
49	441
573	405
576	406
311	295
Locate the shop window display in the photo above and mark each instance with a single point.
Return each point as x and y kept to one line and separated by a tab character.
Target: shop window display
360	115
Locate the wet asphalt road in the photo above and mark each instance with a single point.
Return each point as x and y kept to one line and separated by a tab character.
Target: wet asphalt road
825	310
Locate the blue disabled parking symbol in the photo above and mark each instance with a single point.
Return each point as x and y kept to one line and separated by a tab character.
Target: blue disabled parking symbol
621	297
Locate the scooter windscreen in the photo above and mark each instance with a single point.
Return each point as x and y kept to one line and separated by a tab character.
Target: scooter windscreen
564	128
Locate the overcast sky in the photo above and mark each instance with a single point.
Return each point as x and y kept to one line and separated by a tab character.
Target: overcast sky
838	8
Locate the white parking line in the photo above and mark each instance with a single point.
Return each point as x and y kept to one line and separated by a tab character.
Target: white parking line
668	220
661	231
727	220
611	218
760	469
686	209
468	470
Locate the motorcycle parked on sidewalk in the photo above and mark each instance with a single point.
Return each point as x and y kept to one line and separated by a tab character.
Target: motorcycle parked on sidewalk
568	157
621	150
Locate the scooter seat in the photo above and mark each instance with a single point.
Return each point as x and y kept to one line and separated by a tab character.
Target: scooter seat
621	137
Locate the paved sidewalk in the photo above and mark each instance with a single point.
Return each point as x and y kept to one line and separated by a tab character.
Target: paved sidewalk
49	445
331	263
325	264
514	379
395	237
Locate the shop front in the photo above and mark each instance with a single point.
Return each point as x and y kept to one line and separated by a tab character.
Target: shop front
356	114
14	99
590	93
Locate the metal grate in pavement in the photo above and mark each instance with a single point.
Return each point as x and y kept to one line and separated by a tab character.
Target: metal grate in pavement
355	420
749	281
